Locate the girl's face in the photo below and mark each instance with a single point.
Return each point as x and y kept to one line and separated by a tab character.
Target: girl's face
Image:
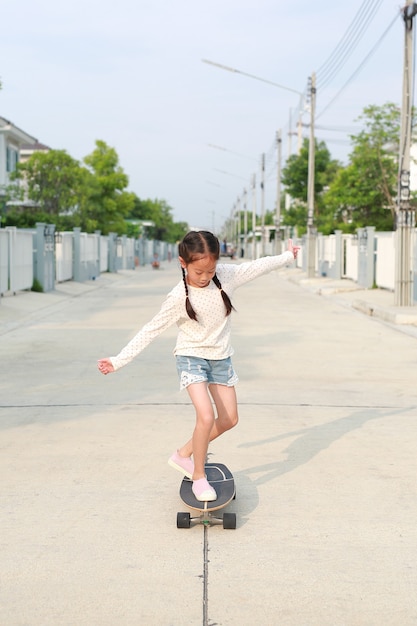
200	272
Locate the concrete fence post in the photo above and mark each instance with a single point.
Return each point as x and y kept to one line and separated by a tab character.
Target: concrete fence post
44	256
112	252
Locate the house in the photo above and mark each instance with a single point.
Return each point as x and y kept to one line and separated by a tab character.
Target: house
12	139
27	149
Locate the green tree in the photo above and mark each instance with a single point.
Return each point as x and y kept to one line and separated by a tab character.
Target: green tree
106	203
295	179
363	193
160	213
47	187
54	187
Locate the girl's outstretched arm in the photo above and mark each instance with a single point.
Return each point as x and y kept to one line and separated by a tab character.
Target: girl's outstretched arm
105	366
292	248
170	312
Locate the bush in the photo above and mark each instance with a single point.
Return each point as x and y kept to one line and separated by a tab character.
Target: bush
36	286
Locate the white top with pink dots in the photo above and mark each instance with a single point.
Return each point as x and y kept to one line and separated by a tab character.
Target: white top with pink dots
209	336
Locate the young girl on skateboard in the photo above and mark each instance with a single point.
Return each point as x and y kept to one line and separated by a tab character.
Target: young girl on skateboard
201	305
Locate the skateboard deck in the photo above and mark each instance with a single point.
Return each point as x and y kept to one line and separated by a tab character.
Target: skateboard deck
221	479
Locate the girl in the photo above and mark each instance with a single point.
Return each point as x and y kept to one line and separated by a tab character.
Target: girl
201	305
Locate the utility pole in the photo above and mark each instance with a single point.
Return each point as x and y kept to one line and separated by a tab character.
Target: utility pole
238	224
263	205
231	223
299	132
253	217
290	135
405	214
245	224
278	207
311	230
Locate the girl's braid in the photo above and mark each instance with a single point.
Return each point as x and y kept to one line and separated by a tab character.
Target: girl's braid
227	303
190	311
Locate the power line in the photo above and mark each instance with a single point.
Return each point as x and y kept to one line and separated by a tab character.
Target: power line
339	141
348	42
336	129
329	60
360	66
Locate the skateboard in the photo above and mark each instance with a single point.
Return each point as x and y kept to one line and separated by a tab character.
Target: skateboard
221	479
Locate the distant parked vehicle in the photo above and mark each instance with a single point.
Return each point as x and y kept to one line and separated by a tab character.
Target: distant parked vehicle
226	249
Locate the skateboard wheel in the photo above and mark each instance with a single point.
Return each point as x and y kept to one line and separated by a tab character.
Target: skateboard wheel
183	520
229	520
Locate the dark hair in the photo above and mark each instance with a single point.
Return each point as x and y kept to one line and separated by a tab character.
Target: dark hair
195	245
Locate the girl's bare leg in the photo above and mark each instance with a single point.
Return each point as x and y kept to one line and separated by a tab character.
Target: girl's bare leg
198	445
207	428
226	406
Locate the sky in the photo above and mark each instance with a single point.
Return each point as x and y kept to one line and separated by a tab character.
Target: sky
131	73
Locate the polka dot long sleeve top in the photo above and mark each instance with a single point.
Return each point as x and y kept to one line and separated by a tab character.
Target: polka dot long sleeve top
209	336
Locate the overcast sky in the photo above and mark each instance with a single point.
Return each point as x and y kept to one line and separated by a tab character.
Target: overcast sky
131	74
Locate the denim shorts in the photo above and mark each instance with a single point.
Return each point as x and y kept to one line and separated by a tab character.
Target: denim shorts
192	369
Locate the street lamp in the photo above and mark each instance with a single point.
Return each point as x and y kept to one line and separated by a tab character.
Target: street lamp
299	93
278	206
264	80
268	82
215	169
212	145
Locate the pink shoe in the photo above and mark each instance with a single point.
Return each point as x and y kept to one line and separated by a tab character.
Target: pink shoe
203	491
183	464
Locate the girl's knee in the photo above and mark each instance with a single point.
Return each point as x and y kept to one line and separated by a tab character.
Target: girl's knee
230	421
205	420
234	420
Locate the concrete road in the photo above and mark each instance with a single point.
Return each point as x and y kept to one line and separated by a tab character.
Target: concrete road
324	459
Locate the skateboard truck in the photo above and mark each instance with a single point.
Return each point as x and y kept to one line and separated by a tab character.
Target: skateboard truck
185	520
222	481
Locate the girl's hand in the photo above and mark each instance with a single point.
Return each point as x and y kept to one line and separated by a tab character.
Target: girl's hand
292	248
105	366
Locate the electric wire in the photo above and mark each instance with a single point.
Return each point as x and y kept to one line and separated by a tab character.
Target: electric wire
348	43
323	68
334	129
359	68
342	142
